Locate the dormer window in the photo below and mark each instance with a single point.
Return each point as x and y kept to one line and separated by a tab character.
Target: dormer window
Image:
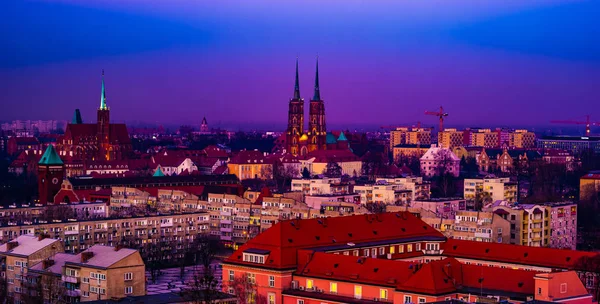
258	256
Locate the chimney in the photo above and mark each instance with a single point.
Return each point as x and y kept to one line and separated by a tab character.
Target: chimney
118	247
11	245
86	255
42	236
47	263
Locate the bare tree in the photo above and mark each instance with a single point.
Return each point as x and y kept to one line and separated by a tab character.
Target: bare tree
589	272
246	290
333	169
266	172
204	288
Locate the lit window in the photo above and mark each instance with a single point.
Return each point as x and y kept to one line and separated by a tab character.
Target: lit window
309	284
129	290
383	293
271	298
357	292
392	249
333	287
409	248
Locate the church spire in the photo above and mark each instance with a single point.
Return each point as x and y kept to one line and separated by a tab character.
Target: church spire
297	85
103	95
317	95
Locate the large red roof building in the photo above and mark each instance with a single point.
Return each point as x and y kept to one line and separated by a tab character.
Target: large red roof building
96	141
397	258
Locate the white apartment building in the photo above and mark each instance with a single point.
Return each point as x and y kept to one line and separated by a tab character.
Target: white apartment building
489	190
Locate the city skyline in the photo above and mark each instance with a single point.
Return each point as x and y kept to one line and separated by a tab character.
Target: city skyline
377	66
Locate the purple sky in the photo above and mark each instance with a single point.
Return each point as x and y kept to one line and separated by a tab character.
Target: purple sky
381	62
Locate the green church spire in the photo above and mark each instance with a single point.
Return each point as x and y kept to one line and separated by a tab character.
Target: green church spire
297	85
77	117
50	157
103	95
317	95
158	172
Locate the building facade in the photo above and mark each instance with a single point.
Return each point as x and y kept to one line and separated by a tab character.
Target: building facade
439	161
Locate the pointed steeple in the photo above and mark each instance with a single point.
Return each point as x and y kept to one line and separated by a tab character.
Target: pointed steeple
158	172
317	95
103	95
77	118
297	85
50	157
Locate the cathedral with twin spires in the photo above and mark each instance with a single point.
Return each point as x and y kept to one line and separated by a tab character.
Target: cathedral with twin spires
299	141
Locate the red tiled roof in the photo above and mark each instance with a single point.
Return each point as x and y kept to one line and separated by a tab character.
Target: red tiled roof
517	254
26	140
325	156
433	278
221	170
381	272
167	160
117	132
248	157
215	152
286	237
205	161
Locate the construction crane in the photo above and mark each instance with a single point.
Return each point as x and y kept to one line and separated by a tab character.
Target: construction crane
439	114
587	123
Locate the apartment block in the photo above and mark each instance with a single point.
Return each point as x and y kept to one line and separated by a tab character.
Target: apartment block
392	194
529	224
441	207
549	225
320	186
410	136
481	191
148	233
420	190
476	226
98	273
563	225
19	254
450	138
522	139
485	138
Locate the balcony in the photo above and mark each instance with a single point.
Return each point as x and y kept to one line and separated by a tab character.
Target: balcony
482	235
71	232
433	252
75	293
70	279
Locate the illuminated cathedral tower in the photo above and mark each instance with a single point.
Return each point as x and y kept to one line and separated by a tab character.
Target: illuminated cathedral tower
295	128
317	132
103	122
